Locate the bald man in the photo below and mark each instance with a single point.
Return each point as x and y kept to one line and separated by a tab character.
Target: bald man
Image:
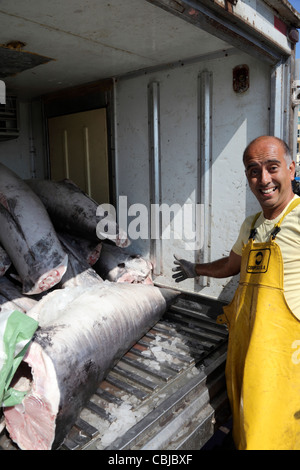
263	318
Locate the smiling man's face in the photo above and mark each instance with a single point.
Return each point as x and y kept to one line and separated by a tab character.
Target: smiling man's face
269	175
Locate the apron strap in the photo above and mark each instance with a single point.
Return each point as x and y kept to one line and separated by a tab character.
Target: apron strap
253	230
277	228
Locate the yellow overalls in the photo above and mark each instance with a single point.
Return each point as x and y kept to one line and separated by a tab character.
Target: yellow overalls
263	361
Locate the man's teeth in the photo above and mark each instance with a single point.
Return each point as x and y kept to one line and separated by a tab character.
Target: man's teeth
268	191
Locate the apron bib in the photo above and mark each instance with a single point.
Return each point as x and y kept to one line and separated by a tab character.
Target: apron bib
263	360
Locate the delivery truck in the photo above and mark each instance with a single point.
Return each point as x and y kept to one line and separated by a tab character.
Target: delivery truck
147	106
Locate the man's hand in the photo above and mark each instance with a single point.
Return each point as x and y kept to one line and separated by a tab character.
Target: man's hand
185	269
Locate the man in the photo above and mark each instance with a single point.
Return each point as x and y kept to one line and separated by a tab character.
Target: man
263	361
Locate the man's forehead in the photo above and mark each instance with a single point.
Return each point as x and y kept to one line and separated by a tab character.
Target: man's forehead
267	150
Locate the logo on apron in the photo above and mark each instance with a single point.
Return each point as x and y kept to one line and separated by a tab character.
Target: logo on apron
258	260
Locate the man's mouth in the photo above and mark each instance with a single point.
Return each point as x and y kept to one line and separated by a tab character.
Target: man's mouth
268	191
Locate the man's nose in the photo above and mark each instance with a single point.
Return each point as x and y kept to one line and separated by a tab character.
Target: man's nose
265	176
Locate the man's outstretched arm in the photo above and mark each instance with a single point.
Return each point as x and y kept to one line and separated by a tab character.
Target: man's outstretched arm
223	267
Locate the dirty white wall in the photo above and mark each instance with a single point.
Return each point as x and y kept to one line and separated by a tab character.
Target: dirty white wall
26	154
236	119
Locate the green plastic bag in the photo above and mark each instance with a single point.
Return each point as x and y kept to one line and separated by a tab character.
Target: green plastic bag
16	332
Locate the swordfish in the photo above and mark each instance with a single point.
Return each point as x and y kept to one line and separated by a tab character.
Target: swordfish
117	265
73	211
28	236
79	340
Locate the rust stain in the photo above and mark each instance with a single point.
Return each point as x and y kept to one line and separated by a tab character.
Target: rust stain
13	59
14	45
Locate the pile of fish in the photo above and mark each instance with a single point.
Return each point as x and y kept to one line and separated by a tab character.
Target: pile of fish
48	234
92	300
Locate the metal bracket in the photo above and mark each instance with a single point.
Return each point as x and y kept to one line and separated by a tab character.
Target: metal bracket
296	93
2	92
155	173
205	87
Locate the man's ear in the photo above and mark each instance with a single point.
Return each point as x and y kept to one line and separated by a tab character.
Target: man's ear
292	169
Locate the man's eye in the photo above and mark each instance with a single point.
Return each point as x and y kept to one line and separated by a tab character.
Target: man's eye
253	172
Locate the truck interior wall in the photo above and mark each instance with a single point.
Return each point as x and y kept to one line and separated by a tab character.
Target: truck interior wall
237	118
26	155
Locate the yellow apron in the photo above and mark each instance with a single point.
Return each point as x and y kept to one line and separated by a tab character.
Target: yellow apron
263	361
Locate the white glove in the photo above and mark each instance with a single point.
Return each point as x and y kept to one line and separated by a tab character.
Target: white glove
185	269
